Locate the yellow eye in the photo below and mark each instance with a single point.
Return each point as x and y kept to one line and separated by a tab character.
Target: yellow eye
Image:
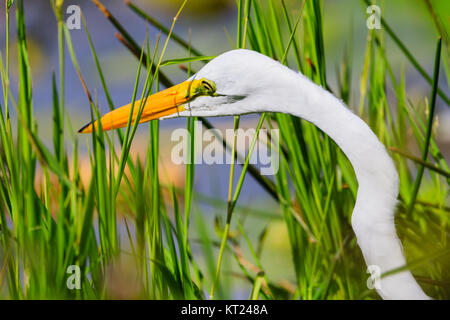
209	86
205	87
201	87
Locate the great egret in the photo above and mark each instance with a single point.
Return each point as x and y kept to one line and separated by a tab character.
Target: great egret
243	81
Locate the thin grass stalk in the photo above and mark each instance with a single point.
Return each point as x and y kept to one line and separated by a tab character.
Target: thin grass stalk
190	167
185	44
429	130
162	77
410	57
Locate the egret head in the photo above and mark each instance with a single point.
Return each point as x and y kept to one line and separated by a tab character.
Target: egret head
222	87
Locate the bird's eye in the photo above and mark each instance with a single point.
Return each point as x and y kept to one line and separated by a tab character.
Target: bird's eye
203	87
208	86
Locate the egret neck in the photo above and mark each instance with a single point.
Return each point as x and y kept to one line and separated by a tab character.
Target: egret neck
378	183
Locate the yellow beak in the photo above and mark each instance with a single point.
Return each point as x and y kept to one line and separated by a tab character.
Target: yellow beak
163	103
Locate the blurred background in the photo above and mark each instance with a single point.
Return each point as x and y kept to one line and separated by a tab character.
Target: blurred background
211	26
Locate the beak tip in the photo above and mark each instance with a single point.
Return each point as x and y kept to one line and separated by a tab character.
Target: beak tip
85	129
